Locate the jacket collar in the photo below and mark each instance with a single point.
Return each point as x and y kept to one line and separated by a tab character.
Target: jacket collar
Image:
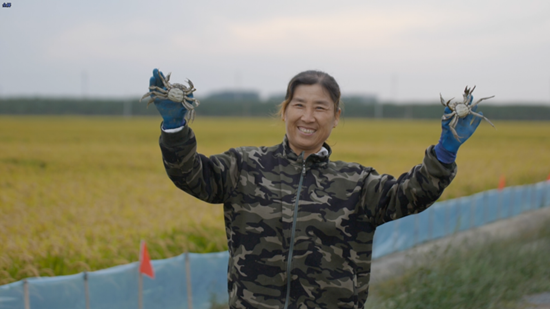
321	157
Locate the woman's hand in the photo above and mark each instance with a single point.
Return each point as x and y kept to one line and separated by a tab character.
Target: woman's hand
448	145
172	113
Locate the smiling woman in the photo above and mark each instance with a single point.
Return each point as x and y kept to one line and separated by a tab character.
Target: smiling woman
299	226
311	110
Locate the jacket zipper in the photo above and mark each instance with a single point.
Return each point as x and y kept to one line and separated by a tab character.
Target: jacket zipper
293	233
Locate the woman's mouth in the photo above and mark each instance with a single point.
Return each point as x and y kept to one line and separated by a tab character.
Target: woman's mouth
306	130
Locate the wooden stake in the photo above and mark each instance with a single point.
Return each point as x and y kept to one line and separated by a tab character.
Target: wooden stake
188	276
26	294
86	290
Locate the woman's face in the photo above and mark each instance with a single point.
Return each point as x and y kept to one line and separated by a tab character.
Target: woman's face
309	118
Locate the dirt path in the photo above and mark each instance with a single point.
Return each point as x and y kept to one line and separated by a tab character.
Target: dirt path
538	301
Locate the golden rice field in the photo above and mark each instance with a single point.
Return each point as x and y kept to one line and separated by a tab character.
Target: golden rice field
79	193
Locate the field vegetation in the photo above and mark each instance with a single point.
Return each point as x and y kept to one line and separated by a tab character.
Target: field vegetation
246	105
79	193
494	275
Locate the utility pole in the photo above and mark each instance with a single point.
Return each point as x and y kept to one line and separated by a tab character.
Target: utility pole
127	109
84	84
238	94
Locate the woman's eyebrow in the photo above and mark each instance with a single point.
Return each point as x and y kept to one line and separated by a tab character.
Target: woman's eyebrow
323	102
320	101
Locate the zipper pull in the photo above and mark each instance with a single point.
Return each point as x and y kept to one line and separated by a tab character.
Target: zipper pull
302	155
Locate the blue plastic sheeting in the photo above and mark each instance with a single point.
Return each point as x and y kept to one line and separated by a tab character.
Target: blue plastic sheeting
478	205
491	206
57	292
445	218
117	287
404	233
423	228
380	241
438	220
12	295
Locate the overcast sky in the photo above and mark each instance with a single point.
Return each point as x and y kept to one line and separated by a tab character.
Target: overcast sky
397	50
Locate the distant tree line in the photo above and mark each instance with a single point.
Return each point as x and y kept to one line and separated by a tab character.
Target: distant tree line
252	106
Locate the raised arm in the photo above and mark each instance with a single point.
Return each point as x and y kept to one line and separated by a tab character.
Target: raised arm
387	198
210	179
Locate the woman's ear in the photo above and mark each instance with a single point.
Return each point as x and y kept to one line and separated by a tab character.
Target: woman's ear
337	117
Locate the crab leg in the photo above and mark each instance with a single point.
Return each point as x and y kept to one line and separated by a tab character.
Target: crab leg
197	103
161	95
187	105
191	116
144	96
481	116
158	89
181	87
452	126
193	100
151	99
190	101
448	116
164	81
153	93
477	102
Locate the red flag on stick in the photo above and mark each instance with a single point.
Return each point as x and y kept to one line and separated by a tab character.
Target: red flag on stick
502	182
548	178
145	266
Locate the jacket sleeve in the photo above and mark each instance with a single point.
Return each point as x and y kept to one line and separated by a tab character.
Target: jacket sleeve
211	179
386	198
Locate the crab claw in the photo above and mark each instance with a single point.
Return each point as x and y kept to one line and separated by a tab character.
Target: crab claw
165	80
191	86
468	91
446	104
468	95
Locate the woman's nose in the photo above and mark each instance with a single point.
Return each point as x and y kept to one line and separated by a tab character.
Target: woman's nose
308	116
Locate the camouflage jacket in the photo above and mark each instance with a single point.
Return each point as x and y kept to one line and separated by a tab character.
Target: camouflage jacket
313	220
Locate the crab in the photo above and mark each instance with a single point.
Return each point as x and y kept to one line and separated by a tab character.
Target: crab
174	92
462	109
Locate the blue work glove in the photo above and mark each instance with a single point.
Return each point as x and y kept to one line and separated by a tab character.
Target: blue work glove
173	113
448	145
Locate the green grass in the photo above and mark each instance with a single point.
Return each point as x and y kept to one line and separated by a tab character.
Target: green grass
493	275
